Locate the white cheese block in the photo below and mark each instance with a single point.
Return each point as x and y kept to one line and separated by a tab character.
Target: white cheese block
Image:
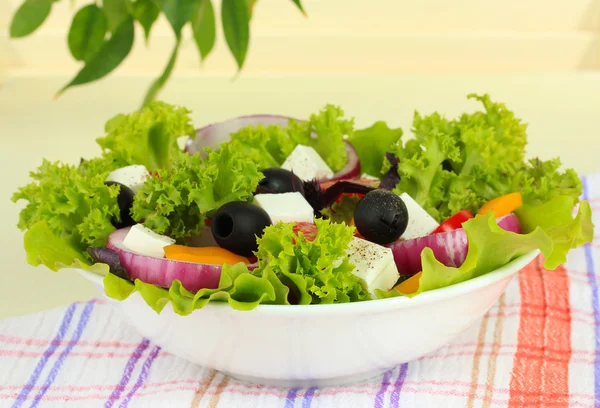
374	264
306	163
146	242
420	223
286	207
132	176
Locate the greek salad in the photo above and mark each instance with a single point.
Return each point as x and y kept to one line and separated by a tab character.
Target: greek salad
275	210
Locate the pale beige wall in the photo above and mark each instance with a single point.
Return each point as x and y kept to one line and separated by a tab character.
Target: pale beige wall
356	36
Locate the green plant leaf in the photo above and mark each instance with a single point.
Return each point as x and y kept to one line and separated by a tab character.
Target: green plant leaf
178	12
146	12
158	84
116	12
250	4
203	27
235	19
108	57
299	5
87	32
29	17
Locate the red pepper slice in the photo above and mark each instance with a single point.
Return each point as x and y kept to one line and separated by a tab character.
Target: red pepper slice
454	222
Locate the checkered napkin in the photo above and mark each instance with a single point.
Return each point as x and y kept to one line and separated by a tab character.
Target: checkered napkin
539	345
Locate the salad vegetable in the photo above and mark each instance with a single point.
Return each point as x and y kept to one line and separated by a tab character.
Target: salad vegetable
275	210
502	205
454	222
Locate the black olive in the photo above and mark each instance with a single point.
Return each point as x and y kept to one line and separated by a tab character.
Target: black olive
236	225
125	201
279	181
381	216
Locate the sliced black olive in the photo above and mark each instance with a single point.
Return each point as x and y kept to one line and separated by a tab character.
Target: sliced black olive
279	181
381	217
125	202
236	225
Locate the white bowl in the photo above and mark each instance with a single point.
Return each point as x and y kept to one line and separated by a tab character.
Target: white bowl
318	345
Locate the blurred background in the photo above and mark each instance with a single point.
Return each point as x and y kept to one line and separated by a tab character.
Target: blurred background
378	60
345	37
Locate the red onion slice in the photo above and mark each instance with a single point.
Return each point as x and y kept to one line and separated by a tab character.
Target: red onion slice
214	134
161	271
450	248
352	168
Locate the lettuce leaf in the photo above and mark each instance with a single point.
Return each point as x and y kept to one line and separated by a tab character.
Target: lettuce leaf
462	163
549	227
269	146
372	144
148	136
290	267
330	127
342	211
266	146
238	287
317	270
43	247
74	203
178	200
421	171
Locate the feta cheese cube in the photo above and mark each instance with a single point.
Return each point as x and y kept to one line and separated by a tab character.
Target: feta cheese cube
420	223
132	176
306	163
146	242
374	264
286	207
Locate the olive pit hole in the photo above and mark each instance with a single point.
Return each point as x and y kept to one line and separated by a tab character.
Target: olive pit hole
223	226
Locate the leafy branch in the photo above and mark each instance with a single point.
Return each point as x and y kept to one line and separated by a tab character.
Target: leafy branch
102	33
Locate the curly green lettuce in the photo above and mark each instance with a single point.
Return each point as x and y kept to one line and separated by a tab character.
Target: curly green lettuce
266	146
73	202
319	270
421	172
148	136
324	131
330	127
290	268
459	164
178	200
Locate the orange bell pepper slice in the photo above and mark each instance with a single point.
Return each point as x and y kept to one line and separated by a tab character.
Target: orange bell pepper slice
411	285
204	255
503	205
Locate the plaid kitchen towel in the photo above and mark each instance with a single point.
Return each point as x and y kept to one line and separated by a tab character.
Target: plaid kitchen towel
538	345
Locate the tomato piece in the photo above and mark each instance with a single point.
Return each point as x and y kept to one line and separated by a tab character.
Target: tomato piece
455	222
349	195
309	230
204	255
502	205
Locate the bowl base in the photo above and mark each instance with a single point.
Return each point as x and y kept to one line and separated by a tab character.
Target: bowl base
308	382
